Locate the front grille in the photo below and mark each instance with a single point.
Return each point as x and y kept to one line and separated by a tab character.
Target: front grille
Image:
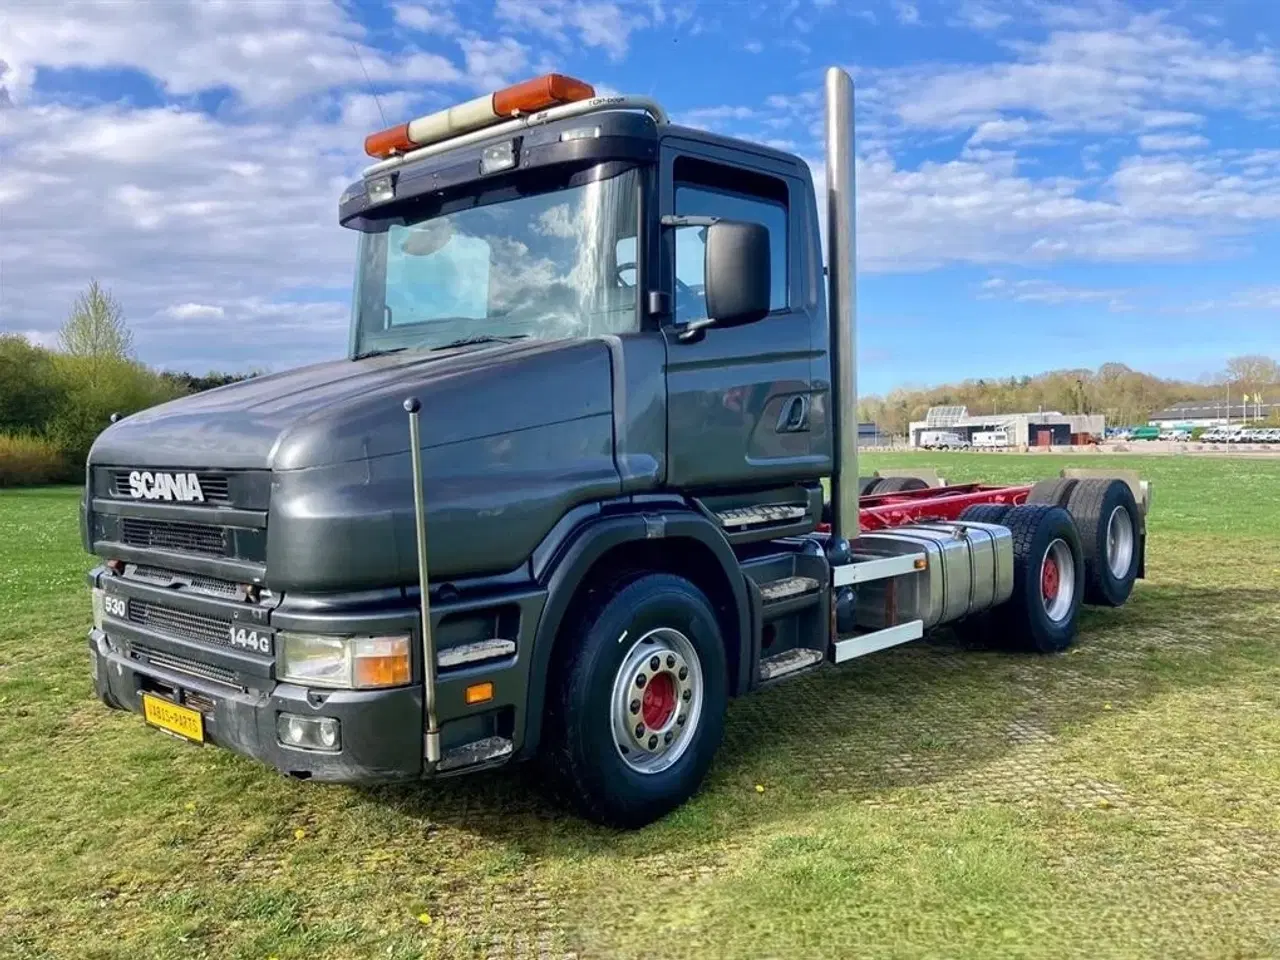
180	623
174	535
178	664
169	578
215	487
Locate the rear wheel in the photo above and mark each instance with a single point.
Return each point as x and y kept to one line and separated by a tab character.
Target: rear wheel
1056	491
1107	515
1048	578
867	485
638	701
986	512
900	484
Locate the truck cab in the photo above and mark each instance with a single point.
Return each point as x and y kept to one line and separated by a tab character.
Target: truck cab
629	383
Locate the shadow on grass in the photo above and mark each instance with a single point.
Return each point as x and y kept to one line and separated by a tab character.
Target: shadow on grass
903	718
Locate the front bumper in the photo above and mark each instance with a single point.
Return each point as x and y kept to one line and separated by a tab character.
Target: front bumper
382	738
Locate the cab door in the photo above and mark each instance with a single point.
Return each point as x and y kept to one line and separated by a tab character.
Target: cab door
741	405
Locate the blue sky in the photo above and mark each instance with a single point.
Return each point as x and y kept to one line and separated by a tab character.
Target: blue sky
1040	184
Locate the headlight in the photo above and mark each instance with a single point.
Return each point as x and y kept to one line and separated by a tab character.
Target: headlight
99	596
352	663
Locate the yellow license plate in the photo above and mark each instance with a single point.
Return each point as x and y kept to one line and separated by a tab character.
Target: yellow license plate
183	721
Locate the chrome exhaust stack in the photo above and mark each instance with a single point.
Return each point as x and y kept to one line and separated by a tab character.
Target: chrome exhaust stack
842	305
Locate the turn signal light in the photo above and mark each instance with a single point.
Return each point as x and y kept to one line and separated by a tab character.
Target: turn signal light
530	96
381	662
478	693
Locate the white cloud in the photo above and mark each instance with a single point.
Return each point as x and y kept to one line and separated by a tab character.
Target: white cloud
492	64
270	52
996	131
598	24
435	18
181	215
1157	142
907	13
195	311
753	46
984	17
1143	73
1049	293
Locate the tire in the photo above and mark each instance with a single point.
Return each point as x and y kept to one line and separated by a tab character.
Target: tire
1055	492
867	485
986	512
900	484
1110	530
1034	619
593	696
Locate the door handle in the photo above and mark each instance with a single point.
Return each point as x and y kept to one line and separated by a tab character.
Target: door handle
794	417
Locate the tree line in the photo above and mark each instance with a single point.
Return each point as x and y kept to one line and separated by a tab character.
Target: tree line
54	402
1125	396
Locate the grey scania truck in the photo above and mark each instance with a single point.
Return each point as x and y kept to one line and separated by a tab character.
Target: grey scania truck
588	472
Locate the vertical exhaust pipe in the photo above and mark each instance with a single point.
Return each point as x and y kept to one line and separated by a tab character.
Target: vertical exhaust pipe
412	406
841	253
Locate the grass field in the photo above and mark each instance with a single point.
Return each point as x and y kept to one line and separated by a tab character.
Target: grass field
1122	800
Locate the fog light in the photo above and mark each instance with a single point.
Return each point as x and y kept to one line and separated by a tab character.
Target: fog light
309	733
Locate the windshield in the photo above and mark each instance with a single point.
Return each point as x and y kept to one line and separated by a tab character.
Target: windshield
549	260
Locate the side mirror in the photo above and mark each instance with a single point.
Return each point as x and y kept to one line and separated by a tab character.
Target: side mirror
738	272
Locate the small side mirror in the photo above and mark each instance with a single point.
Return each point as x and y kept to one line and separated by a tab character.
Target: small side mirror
737	273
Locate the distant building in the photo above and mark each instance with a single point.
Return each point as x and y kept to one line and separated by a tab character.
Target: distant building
869	435
1210	413
1043	428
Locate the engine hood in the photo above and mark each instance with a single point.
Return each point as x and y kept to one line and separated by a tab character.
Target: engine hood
353	409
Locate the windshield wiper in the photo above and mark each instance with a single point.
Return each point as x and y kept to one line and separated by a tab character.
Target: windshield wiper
378	353
481	338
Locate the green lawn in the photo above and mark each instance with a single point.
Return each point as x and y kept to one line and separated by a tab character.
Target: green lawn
1122	800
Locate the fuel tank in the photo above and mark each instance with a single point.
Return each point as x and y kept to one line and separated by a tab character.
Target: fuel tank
969	569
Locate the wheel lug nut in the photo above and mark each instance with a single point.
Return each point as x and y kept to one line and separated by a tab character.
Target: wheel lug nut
668	736
687	695
671	660
684	673
654	662
635	706
653	742
639	679
680	719
639	731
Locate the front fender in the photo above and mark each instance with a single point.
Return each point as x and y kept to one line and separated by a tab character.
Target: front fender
586	546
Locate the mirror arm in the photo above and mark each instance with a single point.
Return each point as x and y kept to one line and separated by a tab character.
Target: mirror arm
671	220
693	331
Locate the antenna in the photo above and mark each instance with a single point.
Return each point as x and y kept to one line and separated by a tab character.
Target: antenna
372	92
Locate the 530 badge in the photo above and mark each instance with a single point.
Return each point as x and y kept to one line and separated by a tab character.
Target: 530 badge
246	638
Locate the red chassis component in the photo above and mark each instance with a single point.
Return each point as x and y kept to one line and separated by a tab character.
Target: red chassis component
882	511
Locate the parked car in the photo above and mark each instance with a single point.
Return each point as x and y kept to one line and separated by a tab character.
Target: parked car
942	440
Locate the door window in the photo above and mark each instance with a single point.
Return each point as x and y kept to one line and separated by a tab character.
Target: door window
766	206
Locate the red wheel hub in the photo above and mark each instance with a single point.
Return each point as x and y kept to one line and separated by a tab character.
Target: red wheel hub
1050	578
659	701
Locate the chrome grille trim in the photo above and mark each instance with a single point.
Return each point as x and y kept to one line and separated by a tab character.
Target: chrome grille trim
201	538
199	584
172	621
178	664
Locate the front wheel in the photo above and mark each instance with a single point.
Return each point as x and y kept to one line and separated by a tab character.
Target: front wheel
638	701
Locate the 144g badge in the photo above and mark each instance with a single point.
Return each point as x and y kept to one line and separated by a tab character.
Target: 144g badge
247	638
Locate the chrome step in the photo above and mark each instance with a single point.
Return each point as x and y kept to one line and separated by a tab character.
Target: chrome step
480	751
478	652
787	587
788	662
763	514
